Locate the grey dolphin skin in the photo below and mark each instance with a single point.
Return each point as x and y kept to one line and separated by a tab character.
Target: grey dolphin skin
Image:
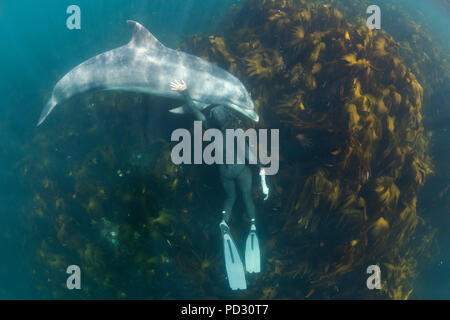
146	65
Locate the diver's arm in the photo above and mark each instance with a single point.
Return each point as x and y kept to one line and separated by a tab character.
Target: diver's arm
265	188
182	88
250	154
262	173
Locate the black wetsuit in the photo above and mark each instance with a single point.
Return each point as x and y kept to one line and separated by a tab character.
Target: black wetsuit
220	117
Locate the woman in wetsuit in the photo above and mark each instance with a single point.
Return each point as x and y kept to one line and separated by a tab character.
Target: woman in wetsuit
221	117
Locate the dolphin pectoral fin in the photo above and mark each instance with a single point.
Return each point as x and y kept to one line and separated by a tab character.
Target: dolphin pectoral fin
179	110
202	106
185	109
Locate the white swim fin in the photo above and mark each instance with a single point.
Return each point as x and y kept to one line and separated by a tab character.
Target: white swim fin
252	253
233	263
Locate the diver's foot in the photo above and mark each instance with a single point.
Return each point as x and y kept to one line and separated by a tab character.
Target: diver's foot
253	225
252	252
226	216
224	228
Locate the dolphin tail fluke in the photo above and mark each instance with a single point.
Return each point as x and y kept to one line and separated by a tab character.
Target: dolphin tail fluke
46	111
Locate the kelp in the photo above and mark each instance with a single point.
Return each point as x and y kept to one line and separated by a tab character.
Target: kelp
349	85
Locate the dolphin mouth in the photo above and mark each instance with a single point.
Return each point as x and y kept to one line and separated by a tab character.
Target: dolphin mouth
253	116
249	113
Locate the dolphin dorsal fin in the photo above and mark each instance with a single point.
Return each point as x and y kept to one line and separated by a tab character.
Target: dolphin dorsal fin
142	38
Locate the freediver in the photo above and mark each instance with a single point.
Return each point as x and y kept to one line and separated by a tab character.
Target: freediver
220	117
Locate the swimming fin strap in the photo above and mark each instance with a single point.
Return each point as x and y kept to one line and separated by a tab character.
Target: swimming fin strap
233	263
252	253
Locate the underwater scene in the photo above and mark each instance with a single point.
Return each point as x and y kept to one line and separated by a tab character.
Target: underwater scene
353	204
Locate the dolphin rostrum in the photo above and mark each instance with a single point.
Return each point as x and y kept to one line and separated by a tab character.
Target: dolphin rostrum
146	65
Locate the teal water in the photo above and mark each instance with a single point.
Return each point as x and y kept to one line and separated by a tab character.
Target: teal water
36	49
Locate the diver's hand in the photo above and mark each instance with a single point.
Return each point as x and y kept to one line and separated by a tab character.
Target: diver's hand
178	86
265	188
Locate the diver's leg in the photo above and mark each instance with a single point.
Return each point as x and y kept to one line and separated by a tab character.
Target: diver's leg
244	180
230	193
233	262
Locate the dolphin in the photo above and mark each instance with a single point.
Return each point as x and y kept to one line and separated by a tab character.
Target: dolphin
146	65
